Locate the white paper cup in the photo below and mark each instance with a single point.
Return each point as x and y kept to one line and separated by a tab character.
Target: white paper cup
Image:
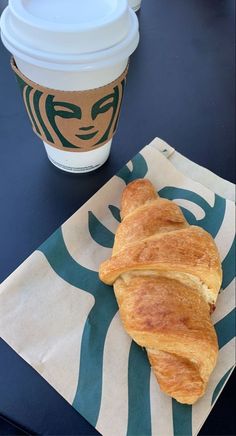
75	162
71	46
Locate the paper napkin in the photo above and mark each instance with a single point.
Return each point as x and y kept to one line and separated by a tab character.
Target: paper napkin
58	316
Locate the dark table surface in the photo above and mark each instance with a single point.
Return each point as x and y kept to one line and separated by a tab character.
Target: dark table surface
181	88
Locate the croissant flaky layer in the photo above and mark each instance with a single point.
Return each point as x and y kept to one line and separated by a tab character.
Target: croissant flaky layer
189	251
166	275
173	322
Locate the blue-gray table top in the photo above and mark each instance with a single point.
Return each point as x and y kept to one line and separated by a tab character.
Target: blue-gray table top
180	87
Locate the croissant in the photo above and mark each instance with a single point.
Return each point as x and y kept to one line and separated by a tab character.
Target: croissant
166	276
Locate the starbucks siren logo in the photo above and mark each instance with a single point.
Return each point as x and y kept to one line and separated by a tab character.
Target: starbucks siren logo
73	120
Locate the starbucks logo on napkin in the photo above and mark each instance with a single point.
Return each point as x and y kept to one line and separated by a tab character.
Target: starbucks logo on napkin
65	322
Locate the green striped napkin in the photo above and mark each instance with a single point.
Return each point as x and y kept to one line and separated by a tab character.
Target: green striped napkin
65	323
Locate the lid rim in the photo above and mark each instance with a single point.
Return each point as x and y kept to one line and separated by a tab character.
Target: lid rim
89	66
42	25
73	66
127	46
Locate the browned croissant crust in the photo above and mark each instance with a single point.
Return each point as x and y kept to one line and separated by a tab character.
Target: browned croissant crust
166	276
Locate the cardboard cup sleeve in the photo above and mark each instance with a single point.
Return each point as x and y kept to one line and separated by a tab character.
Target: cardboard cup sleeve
75	121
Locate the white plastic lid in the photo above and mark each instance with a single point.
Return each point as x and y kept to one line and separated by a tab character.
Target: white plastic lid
70	34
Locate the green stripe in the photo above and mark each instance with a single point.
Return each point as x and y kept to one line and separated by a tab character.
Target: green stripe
51	114
213	215
228	266
88	394
24	85
225	328
139	170
116	110
99	232
36	100
115	212
27	101
122	96
139	412
172	193
220	385
182	419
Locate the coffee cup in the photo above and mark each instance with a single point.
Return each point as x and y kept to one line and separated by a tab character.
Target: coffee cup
71	61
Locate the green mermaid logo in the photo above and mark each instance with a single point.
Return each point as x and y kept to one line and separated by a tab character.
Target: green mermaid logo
77	121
